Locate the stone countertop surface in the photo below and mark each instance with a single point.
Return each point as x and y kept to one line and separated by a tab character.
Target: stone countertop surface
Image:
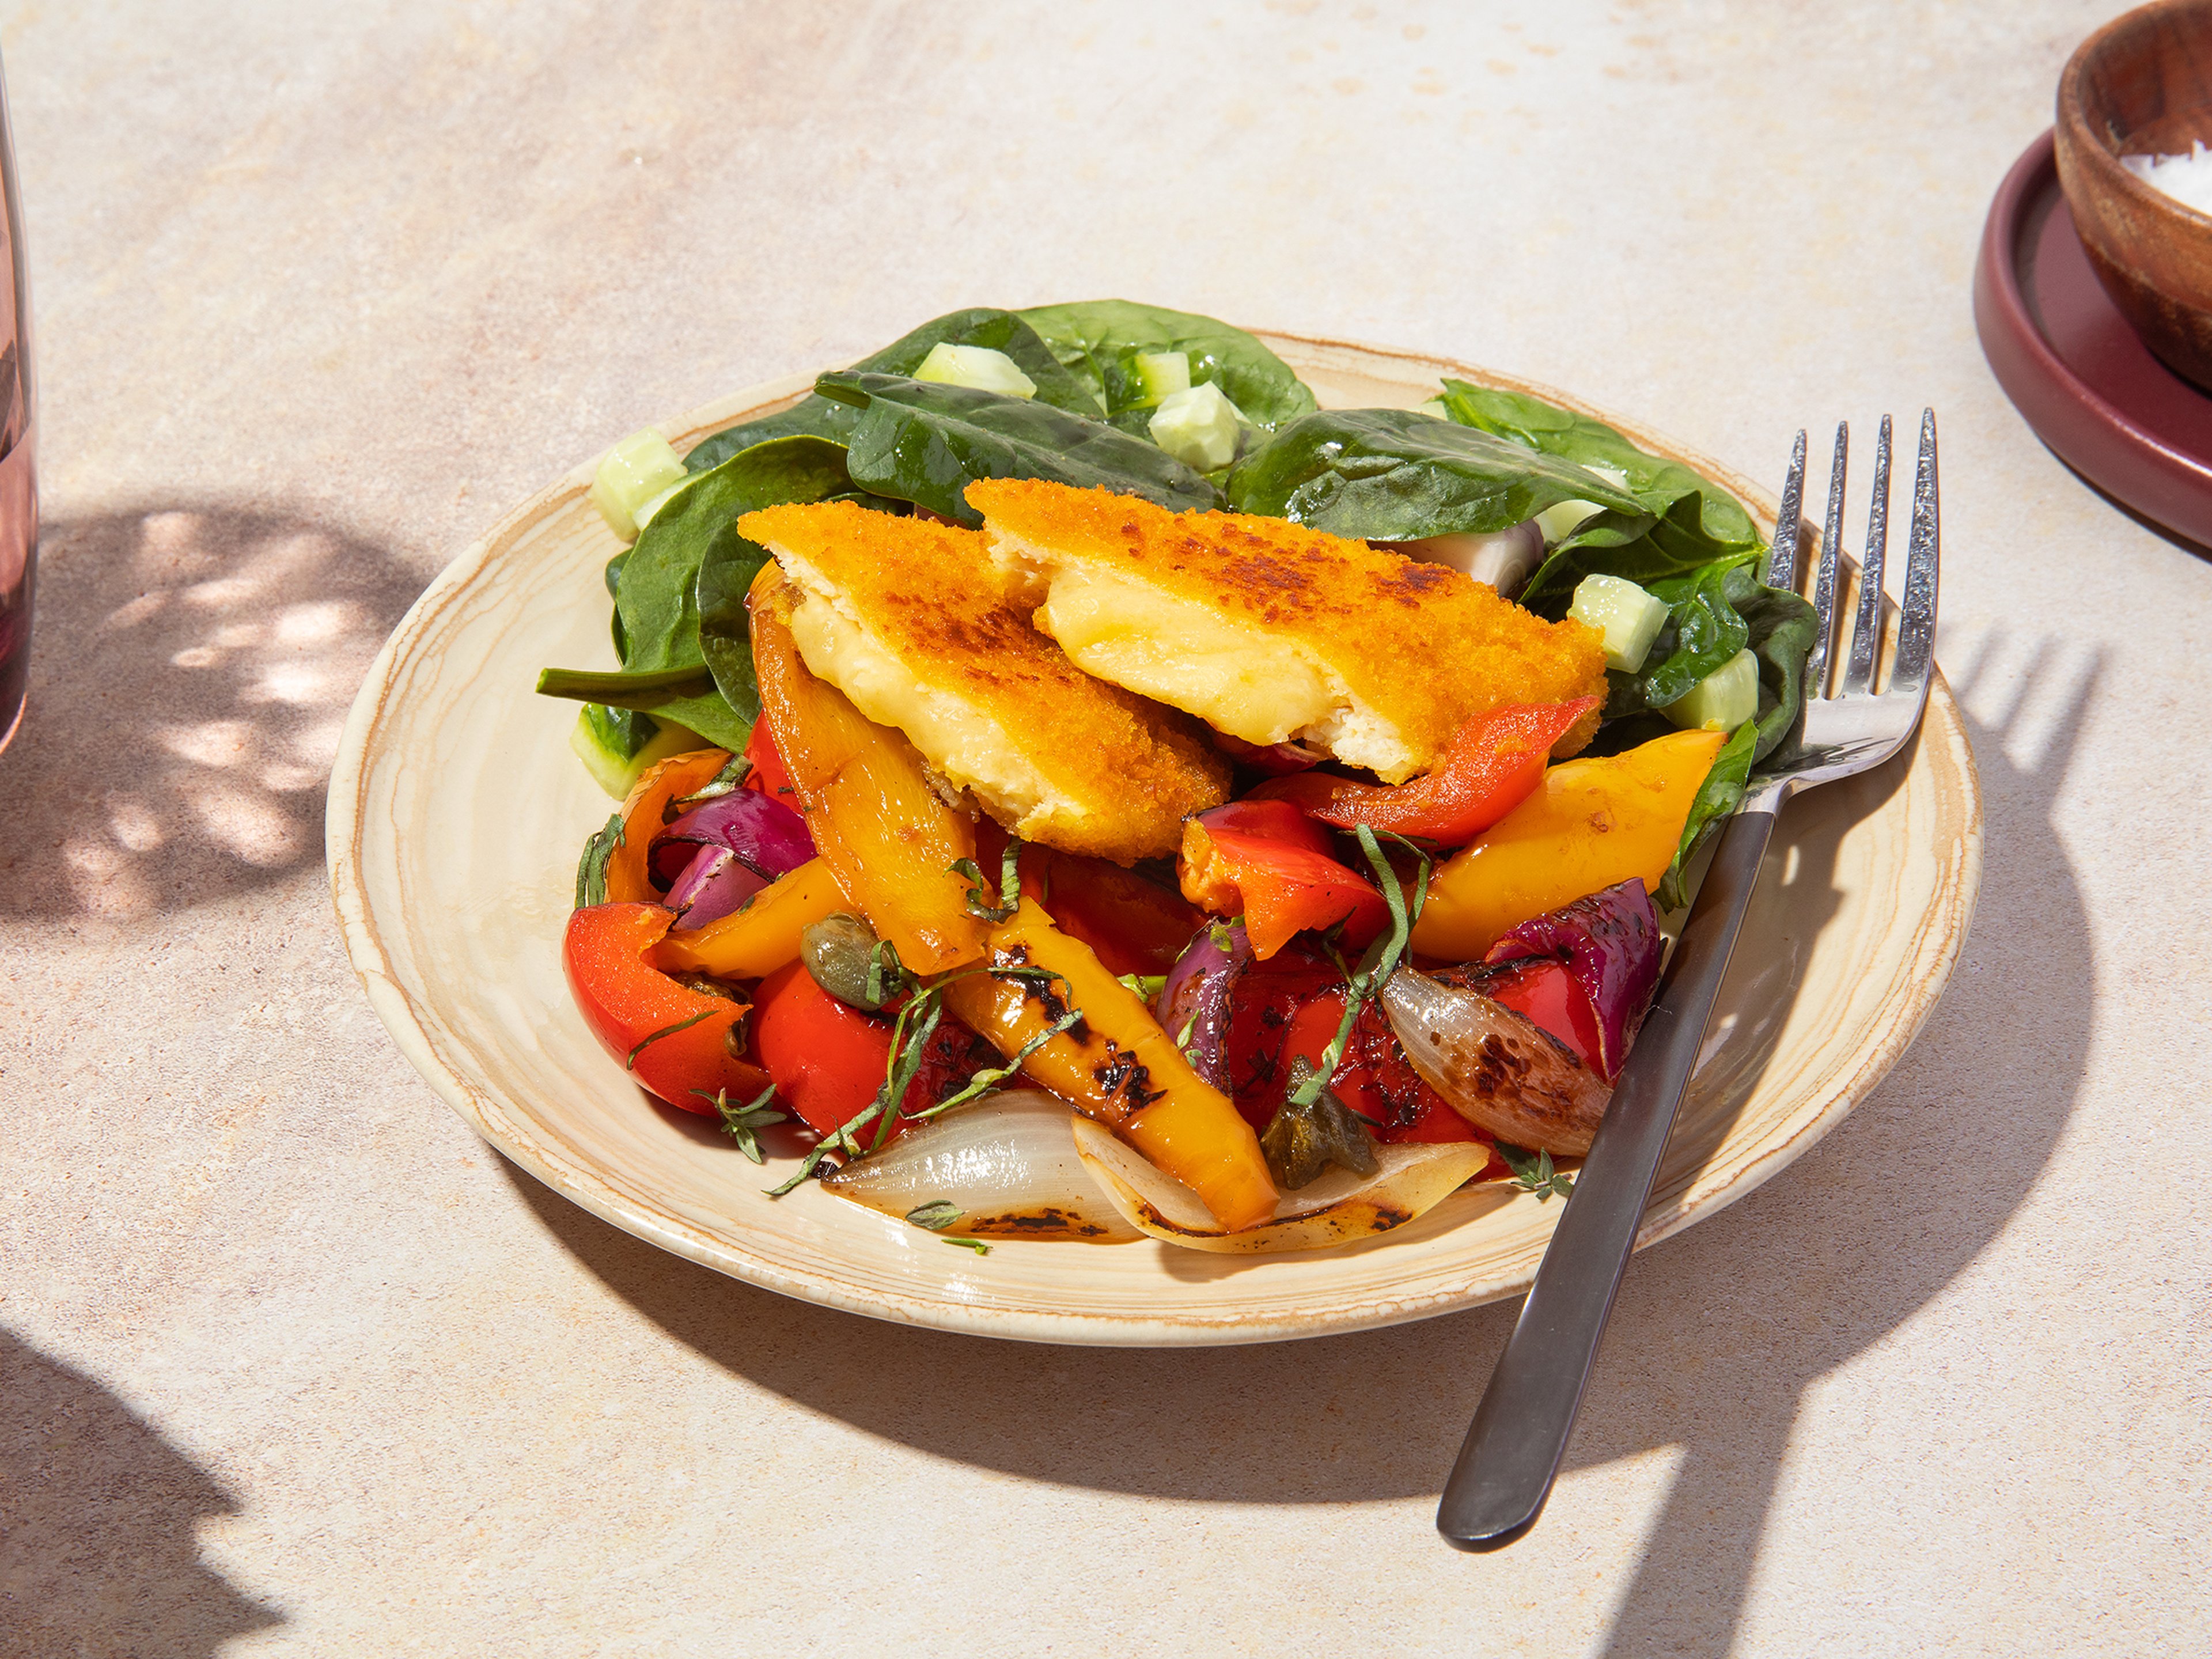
291	1362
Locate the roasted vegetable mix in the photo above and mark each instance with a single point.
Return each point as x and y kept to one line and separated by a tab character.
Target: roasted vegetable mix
1494	671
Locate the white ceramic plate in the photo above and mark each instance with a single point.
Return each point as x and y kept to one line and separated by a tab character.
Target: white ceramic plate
457	812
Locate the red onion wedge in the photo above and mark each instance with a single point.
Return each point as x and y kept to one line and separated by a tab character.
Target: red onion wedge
766	836
1501	1072
1193	1004
1610	945
711	886
1008	1163
1339	1208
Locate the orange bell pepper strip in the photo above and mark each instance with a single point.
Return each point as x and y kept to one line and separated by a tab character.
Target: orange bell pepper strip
1116	1064
674	1040
888	836
1596	822
752	942
1266	861
645	813
1494	763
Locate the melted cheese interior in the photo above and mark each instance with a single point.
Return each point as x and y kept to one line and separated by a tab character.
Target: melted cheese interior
1236	677
972	751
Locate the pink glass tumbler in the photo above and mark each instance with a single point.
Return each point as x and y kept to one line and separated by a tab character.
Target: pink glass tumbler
19	490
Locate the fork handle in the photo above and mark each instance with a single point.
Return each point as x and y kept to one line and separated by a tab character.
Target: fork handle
1519	1430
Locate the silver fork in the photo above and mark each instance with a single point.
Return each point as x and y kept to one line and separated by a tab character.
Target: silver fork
1506	1469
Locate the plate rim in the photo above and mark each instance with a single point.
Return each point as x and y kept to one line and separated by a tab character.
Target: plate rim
594	1190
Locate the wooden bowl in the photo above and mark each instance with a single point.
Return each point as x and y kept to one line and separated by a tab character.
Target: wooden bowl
2142	85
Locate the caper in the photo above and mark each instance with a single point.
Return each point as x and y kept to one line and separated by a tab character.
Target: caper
1303	1141
844	957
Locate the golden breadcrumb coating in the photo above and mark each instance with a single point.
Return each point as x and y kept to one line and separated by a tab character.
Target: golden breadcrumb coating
1284	631
911	620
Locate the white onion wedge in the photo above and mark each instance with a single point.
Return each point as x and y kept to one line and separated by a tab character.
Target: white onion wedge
1503	558
1339	1208
1008	1163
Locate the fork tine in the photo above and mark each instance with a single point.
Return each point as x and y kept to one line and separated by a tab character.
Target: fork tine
1866	628
1916	634
1781	557
1823	580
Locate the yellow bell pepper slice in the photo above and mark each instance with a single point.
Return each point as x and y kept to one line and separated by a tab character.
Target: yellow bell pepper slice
888	836
1117	1065
1591	824
752	943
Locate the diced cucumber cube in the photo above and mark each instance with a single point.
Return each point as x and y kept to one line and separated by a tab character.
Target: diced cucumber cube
602	739
1722	701
1561	519
1629	617
633	472
645	513
1163	373
977	367
1558	521
1198	427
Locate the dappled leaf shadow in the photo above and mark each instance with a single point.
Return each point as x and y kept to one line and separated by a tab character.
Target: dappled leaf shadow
98	1556
191	670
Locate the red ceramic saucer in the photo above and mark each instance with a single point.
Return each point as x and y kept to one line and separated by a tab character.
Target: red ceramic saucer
2068	359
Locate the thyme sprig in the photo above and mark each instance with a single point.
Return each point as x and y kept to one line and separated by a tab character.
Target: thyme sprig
591	868
648	1041
1010	884
742	1123
1532	1172
1381	960
911	1030
940	1213
735	770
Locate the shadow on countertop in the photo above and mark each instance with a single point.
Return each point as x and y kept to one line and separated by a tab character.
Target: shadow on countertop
191	669
1808	1275
98	1555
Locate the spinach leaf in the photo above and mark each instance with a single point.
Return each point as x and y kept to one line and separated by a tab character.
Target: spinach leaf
1398	475
1781	628
924	442
726	630
1100	340
815	416
1659	486
1685	522
639	688
1717	796
1717	611
665	670
1702	635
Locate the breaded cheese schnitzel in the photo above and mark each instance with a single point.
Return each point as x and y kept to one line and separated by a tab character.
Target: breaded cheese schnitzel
1272	632
910	620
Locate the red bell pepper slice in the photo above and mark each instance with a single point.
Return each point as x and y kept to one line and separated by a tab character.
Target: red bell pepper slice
769	775
1134	926
829	1060
1494	762
1266	861
675	1041
1289	1017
